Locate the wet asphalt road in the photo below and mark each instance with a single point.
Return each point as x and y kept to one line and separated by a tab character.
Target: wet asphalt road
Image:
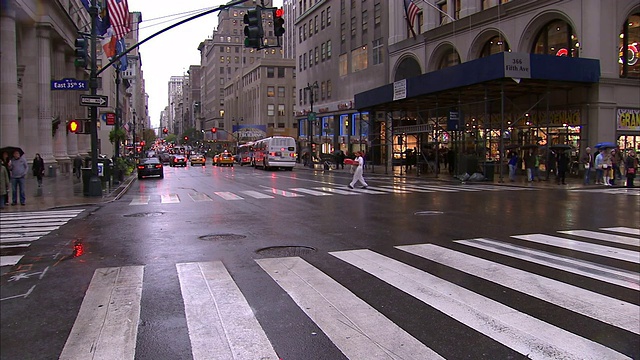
238	215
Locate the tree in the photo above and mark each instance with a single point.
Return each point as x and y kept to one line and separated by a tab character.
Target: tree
171	138
149	137
118	135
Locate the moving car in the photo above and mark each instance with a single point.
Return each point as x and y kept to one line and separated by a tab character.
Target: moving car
178	160
150	167
223	159
197	159
165	158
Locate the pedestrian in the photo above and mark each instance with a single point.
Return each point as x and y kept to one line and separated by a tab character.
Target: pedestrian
513	163
618	163
599	169
587	161
4	161
606	167
530	164
563	165
357	175
18	168
631	167
552	161
38	169
77	166
4	186
536	167
340	156
451	161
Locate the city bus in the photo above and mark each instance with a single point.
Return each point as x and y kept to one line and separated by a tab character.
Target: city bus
275	152
245	153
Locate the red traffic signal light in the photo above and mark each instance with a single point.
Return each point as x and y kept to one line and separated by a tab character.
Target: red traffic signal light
165	131
74	126
278	22
142	143
214	130
186	138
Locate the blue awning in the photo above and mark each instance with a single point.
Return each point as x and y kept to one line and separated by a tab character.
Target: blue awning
530	70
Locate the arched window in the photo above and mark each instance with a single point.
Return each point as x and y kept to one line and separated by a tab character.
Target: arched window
451	58
493	46
629	60
557	38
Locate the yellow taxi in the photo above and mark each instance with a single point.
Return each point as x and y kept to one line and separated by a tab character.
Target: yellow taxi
223	159
197	159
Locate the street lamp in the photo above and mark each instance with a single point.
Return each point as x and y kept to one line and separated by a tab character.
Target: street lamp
311	117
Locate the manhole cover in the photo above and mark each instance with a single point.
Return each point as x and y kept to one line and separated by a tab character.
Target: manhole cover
144	214
216	237
286	250
428	212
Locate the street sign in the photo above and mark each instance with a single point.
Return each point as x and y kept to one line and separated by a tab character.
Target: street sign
311	116
69	84
94	100
110	118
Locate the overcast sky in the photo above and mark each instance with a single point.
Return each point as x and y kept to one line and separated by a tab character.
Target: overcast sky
172	52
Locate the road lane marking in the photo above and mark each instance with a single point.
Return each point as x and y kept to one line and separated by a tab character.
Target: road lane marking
624	230
220	321
620	239
612	311
26	230
406	189
427	187
25	223
611	275
140	200
606	251
40	214
256	195
107	324
198	197
367	191
228	195
10	260
335	191
282	192
310	192
356	328
521	332
13	239
391	189
170	198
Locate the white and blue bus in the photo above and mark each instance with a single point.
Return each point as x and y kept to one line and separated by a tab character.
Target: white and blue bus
275	152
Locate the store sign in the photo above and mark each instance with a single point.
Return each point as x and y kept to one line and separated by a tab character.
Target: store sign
628	119
400	89
517	65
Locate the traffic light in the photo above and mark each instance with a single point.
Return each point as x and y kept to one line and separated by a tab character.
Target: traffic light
186	138
75	126
253	28
214	130
81	53
165	131
278	22
142	143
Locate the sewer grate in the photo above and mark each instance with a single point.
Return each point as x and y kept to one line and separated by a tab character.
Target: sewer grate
144	214
289	250
216	237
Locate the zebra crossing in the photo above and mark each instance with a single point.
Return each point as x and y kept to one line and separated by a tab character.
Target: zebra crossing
222	325
317	191
19	229
611	190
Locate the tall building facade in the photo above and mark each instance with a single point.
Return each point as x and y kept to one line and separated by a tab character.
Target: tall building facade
136	113
174	115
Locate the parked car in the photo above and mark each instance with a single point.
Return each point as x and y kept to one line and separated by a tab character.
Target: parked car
224	159
150	167
197	159
178	160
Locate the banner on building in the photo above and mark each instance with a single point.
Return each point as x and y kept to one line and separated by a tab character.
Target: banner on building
628	119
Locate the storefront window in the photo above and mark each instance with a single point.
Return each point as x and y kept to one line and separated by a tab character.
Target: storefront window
557	38
495	45
629	39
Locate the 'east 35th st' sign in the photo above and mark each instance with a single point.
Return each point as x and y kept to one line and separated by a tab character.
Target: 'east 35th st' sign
69	84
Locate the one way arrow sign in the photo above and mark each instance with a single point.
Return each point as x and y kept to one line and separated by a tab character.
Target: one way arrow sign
94	100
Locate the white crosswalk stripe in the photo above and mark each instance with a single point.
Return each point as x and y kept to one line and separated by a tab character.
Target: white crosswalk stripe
19	229
222	325
612	191
299	192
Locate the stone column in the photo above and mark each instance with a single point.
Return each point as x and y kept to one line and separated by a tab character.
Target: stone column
29	130
59	110
9	128
43	32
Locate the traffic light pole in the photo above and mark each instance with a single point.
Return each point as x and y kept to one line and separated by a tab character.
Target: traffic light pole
95	185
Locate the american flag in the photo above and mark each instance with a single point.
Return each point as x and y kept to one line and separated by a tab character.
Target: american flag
119	17
412	11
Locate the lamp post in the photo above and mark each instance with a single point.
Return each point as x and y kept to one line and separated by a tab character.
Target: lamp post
311	117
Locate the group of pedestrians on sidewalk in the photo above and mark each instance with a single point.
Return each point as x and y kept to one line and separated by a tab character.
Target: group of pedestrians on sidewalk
609	166
13	172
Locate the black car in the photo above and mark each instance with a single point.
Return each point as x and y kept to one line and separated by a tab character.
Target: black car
178	160
150	167
165	158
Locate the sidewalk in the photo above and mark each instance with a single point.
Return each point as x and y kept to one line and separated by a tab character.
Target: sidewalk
60	192
573	182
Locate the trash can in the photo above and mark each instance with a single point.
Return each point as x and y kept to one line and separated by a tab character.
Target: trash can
86	178
489	168
52	171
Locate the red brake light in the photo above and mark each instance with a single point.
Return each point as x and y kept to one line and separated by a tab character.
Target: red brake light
140	166
159	166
